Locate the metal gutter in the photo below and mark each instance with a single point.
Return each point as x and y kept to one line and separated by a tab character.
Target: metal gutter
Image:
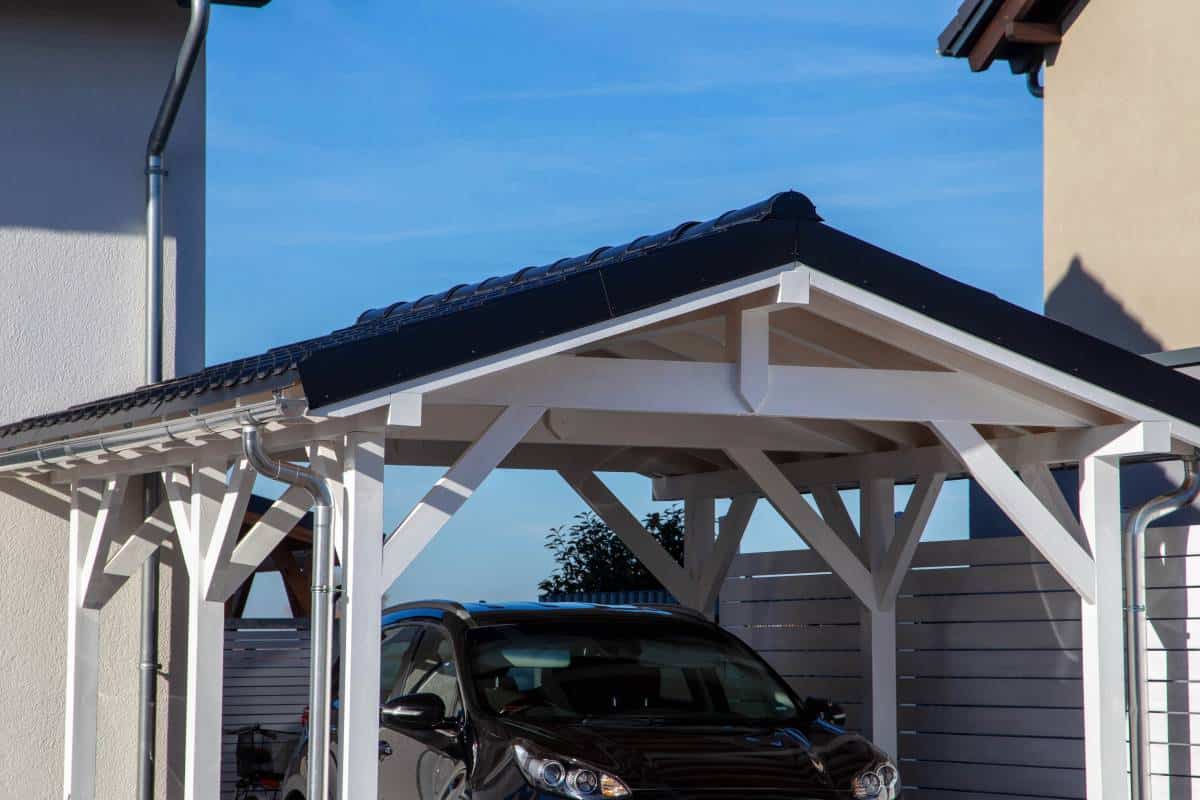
51	456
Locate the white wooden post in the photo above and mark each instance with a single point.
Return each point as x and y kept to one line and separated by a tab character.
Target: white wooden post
362	575
206	642
877	523
83	652
1103	634
699	533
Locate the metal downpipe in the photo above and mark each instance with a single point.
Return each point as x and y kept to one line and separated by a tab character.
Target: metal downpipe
1136	694
322	567
148	664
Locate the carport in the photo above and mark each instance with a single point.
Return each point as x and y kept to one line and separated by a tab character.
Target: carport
761	355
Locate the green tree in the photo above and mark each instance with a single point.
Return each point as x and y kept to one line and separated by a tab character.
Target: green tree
591	558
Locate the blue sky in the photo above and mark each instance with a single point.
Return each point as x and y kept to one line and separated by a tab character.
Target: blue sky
362	153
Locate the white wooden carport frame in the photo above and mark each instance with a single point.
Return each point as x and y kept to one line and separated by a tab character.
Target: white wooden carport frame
858	390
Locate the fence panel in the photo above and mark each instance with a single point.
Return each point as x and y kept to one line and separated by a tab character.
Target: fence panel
266	683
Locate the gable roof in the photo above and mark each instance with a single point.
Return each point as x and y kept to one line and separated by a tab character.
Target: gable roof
405	341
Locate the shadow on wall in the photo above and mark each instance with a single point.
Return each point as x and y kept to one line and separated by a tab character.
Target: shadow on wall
1081	300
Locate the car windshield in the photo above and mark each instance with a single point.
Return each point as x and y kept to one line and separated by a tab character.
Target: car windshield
596	672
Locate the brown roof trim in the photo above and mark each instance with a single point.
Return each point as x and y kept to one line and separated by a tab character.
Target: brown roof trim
1016	31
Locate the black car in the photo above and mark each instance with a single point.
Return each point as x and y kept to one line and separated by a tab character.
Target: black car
539	700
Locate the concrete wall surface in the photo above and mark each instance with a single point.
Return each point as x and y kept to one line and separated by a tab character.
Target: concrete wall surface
1122	190
79	85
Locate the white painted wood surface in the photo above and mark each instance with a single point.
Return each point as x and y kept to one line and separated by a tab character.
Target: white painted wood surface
358	735
83	651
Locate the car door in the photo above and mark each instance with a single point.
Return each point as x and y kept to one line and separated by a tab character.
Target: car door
426	765
394	662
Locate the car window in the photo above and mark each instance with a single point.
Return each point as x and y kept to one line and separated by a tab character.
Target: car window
433	670
393	659
581	670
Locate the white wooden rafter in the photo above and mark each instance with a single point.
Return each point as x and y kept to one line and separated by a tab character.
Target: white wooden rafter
454	488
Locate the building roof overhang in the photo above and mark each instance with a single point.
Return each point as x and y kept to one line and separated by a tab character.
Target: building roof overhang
1016	31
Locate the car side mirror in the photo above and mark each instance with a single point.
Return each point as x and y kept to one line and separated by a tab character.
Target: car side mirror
827	710
413	712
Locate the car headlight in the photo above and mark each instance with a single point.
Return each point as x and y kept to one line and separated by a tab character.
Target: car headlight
568	777
879	783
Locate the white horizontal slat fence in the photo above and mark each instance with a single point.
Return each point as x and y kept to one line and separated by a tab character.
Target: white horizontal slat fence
266	683
990	694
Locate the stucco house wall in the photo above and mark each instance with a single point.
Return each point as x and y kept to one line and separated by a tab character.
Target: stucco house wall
79	85
1122	174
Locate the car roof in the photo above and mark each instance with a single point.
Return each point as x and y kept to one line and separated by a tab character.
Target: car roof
485	613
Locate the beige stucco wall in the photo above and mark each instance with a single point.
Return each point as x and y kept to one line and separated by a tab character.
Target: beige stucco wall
1122	191
79	85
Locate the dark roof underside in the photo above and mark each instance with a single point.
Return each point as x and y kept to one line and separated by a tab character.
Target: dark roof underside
407	341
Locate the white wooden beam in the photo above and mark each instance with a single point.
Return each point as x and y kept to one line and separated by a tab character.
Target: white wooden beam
455	488
1015	499
93	582
905	465
687	431
792	506
177	488
732	528
754	359
363	477
894	566
261	540
623	384
629	530
226	527
83	653
877	628
833	511
1103	652
206	641
1041	482
699	533
141	543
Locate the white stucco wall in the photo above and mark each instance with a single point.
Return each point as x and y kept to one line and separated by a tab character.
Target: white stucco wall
79	86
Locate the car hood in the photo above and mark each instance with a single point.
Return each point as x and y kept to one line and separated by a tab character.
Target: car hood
711	761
